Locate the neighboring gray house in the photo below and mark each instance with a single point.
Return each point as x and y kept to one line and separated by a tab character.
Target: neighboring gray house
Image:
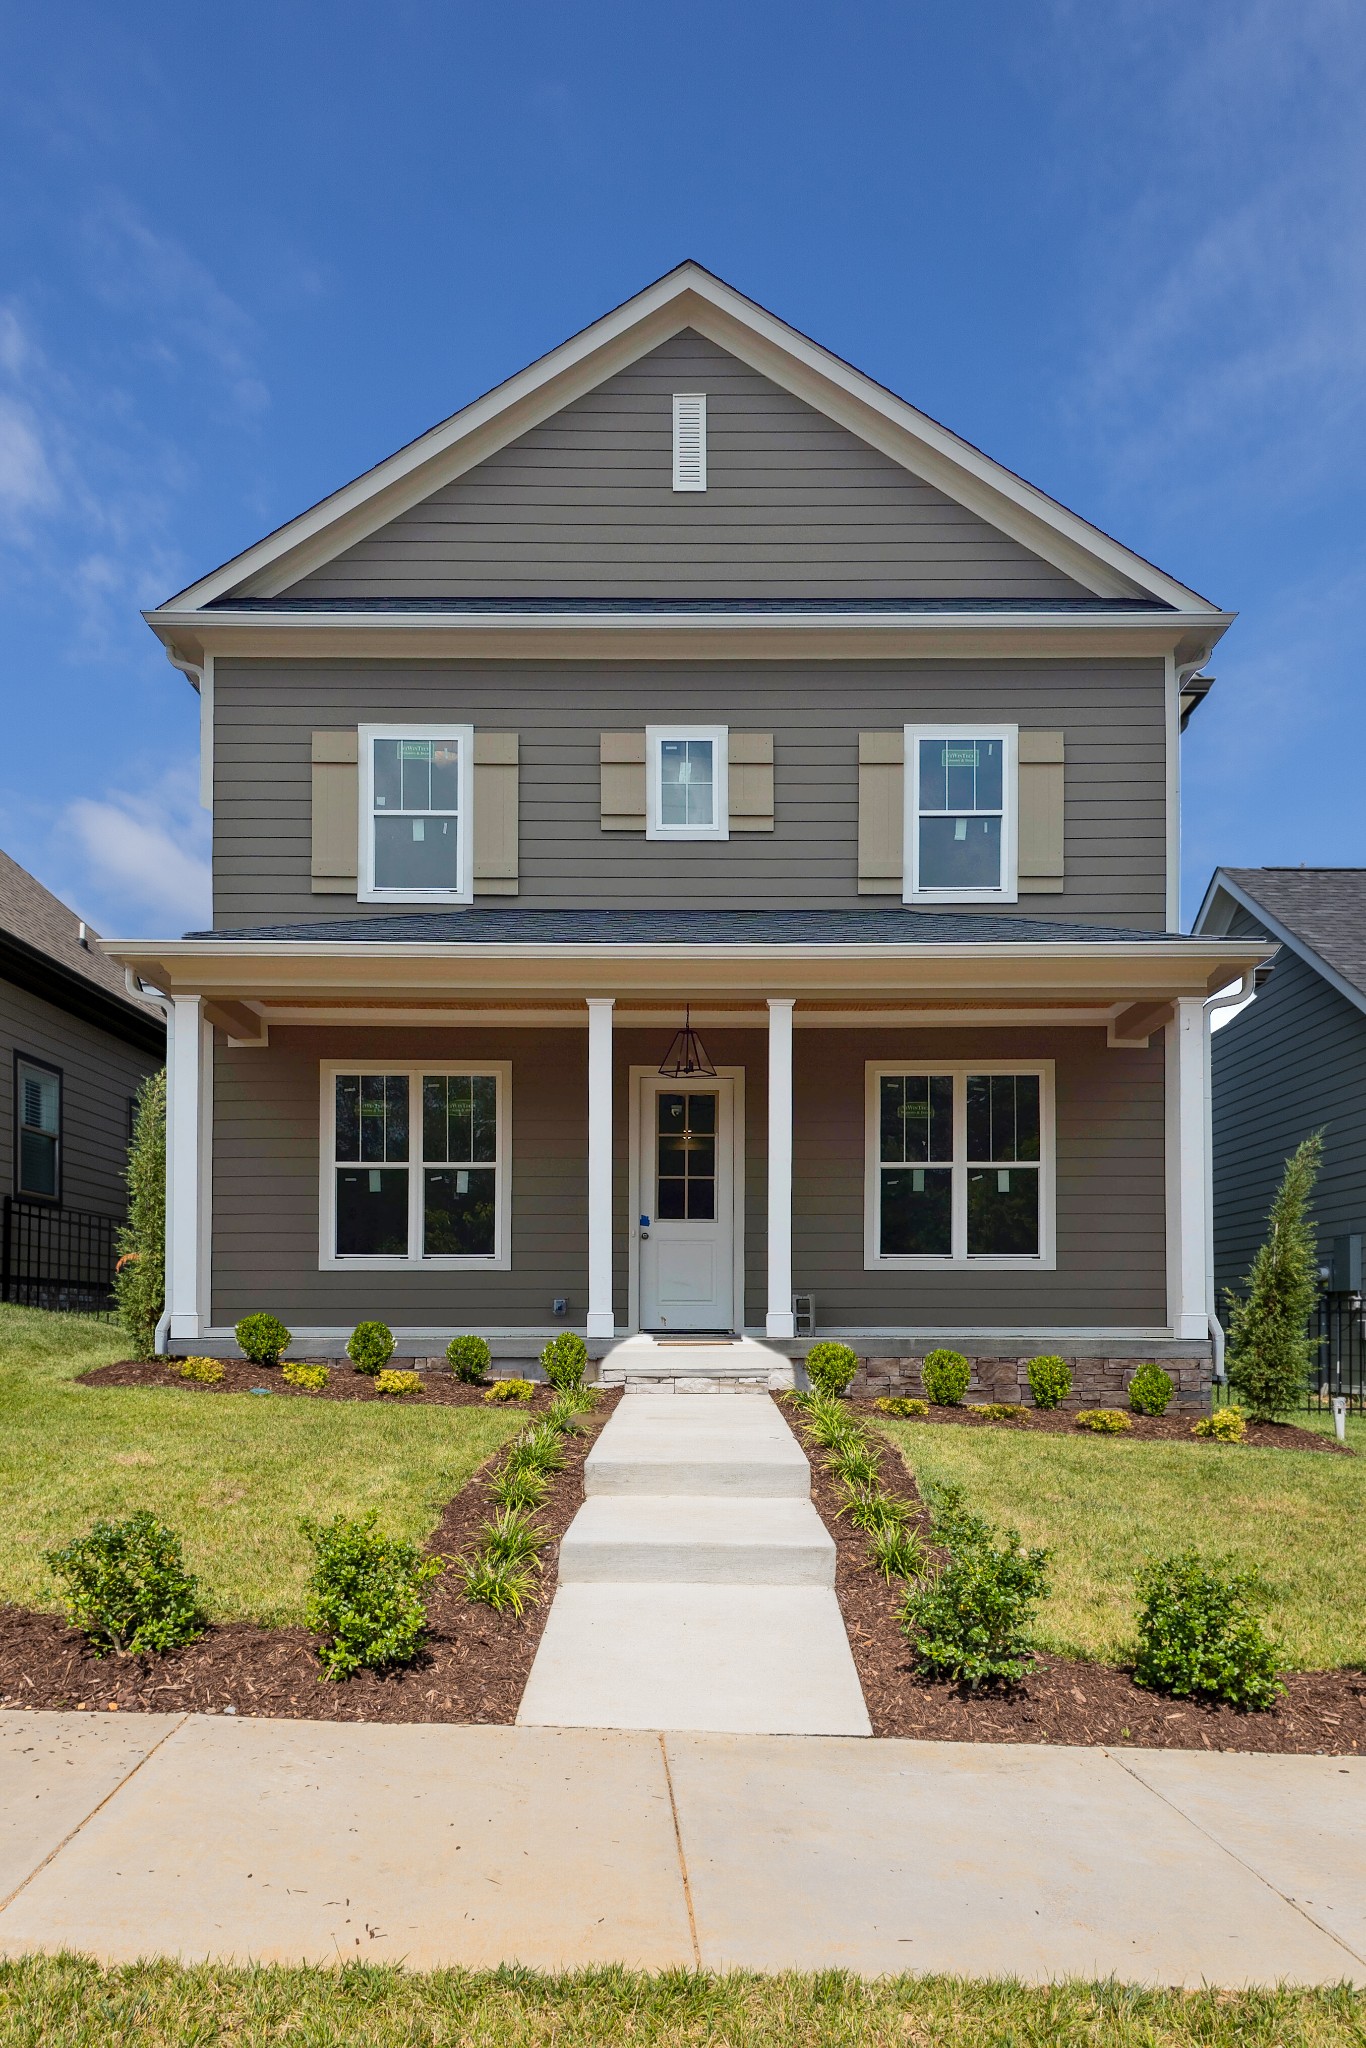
1291	1061
690	667
74	1050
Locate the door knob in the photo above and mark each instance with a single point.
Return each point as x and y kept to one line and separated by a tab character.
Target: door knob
643	1235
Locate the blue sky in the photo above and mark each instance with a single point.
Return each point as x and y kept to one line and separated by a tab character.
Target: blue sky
247	251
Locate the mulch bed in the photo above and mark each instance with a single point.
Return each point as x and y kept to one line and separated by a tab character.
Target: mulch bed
1266	1436
241	1377
1063	1699
473	1667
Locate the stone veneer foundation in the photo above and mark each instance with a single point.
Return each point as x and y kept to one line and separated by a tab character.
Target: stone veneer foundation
1096	1382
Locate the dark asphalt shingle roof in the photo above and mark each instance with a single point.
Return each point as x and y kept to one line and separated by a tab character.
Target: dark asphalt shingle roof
503	927
1326	907
684	607
42	922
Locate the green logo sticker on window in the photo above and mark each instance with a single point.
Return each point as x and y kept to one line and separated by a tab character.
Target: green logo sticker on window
919	1110
960	757
414	750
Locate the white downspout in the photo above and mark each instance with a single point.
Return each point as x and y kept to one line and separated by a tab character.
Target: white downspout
1224	1001
136	989
201	676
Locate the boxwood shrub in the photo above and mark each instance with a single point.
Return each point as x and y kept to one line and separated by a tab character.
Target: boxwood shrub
1151	1390
831	1367
565	1360
370	1347
468	1358
262	1339
1050	1381
945	1375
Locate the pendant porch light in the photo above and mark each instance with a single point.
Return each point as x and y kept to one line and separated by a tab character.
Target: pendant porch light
687	1055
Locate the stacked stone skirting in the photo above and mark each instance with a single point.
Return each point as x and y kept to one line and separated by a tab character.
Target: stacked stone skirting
1096	1382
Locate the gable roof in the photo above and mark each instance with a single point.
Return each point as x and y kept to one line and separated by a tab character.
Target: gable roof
690	296
1319	912
41	947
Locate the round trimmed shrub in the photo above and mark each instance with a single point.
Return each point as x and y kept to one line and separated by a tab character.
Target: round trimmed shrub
262	1338
831	1367
1150	1390
370	1347
946	1375
468	1358
1050	1381
564	1361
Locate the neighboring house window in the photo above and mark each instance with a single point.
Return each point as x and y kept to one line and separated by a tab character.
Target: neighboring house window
960	814
38	1130
690	440
960	1165
415	800
415	1165
685	776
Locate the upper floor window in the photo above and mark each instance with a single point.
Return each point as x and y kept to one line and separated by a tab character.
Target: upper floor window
960	814
686	776
415	803
38	1130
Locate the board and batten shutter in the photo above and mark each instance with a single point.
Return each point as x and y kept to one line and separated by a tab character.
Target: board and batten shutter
749	777
881	812
495	813
335	808
1040	812
622	763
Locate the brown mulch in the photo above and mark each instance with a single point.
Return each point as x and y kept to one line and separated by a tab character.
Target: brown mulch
241	1377
473	1666
1266	1436
1063	1699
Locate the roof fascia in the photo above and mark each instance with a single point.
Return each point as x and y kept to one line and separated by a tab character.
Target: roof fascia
692	297
1222	884
29	968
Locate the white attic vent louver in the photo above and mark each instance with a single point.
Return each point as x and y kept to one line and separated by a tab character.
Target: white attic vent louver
690	440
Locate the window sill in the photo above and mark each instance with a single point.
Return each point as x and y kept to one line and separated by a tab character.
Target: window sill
384	1262
449	897
943	896
1023	1262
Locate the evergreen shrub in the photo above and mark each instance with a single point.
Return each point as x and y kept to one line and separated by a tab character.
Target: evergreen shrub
1226	1425
125	1586
565	1360
1270	1350
312	1378
945	1375
1198	1635
262	1338
140	1277
398	1383
1104	1421
370	1347
1050	1381
900	1404
1151	1390
468	1358
510	1390
365	1595
831	1368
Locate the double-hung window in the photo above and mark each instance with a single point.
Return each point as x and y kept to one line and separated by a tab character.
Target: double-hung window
415	813
415	1164
960	814
37	1130
960	1165
686	782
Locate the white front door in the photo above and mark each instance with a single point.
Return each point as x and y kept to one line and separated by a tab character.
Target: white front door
687	1204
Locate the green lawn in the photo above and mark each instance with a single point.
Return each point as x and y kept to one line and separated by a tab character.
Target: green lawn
63	2002
1102	1505
232	1473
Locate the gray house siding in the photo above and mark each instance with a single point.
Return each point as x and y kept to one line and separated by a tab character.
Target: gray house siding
100	1072
1292	1061
1112	713
1110	1199
583	506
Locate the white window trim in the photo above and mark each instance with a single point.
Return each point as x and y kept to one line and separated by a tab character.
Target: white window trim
655	736
1045	1260
366	737
500	1259
682	481
1009	735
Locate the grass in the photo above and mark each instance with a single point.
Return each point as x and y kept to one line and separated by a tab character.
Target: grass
233	1474
66	2002
1102	1505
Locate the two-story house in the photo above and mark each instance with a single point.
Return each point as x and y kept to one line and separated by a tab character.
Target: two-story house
691	677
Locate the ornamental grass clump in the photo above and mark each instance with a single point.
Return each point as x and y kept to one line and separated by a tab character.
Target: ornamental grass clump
519	1486
365	1595
873	1511
207	1371
1269	1349
900	1404
831	1368
898	1553
469	1359
510	1390
1151	1390
125	1586
945	1375
1198	1636
856	1462
398	1383
511	1537
496	1583
262	1338
828	1422
564	1361
311	1379
370	1347
1104	1421
1050	1381
1227	1425
539	1450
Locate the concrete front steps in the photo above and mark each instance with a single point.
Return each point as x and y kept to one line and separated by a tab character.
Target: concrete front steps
696	1582
694	1365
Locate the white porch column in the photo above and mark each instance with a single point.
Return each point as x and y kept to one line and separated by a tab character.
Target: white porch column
1187	1182
187	1171
780	1322
601	1320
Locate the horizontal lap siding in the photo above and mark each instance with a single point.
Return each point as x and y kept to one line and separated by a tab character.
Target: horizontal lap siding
99	1074
1292	1062
583	506
1111	713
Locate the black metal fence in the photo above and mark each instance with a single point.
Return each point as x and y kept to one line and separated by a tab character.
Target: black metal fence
58	1258
1338	1326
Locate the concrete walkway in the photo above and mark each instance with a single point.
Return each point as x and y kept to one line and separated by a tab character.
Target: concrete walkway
696	1582
141	1835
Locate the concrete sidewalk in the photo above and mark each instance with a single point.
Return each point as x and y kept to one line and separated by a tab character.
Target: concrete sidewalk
138	1835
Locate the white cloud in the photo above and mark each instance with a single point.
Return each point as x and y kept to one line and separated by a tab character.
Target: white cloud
141	857
27	484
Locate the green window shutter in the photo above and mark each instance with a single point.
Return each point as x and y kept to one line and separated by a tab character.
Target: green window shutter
1041	813
622	759
749	775
335	807
495	813
881	813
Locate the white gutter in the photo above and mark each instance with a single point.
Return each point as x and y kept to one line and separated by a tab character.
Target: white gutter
135	987
1224	1001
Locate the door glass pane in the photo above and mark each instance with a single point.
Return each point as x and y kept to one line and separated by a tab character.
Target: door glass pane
1003	1211
960	853
687	782
458	1211
916	1117
685	1168
372	1211
416	853
917	1212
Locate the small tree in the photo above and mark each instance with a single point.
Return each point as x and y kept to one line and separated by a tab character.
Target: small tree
1269	1348
140	1282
